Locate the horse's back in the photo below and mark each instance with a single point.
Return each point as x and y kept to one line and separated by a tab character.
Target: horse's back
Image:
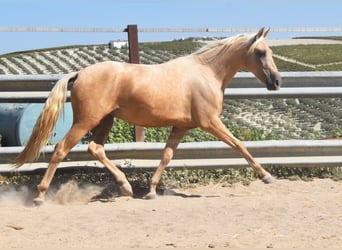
148	95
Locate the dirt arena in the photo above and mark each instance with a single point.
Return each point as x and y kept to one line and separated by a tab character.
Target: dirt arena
286	214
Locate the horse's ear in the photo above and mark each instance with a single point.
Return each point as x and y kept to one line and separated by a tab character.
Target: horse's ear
259	34
266	32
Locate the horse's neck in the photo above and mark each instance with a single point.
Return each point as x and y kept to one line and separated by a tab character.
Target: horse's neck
225	67
224	60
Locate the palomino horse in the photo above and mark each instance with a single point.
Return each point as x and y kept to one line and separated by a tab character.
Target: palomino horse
184	93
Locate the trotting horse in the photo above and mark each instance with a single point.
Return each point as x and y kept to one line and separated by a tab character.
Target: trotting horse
184	93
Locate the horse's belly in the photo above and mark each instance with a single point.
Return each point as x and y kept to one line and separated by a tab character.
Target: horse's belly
162	118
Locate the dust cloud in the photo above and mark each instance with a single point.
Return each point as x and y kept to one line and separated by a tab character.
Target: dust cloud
9	195
69	193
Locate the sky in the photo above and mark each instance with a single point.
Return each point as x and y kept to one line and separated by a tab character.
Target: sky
156	14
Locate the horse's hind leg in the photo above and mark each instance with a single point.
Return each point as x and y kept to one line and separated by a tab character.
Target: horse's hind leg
96	148
74	135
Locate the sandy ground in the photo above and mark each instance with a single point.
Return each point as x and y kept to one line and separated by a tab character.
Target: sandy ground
287	214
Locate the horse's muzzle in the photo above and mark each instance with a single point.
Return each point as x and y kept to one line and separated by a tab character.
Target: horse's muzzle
274	81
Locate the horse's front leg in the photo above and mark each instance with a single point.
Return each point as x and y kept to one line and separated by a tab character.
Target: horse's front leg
171	145
218	129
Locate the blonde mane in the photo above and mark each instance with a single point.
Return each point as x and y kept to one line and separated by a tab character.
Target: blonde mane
214	49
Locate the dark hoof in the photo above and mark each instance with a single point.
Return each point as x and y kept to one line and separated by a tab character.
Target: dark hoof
150	196
268	179
126	189
38	202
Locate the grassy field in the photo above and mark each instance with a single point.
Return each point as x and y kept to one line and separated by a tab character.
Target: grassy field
323	57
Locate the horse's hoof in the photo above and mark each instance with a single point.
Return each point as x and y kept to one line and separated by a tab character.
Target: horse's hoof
38	202
150	196
126	189
268	179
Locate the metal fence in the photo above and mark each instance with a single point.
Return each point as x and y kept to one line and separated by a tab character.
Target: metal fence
35	88
141	155
158	30
298	153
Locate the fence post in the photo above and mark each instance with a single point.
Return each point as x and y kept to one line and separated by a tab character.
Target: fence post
133	44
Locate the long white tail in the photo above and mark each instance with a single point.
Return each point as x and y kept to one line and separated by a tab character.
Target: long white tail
46	121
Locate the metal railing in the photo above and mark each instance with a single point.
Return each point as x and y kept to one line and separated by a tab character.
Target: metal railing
36	88
141	155
174	30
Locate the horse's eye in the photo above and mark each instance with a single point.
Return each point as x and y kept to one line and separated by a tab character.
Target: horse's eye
260	53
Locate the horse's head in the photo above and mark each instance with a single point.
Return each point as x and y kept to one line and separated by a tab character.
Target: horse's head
260	62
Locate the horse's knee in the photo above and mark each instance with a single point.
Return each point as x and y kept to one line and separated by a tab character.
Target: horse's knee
92	148
96	150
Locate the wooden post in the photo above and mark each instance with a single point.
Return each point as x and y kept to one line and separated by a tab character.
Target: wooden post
133	44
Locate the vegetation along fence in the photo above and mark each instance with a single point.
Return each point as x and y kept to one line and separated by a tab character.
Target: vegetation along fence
296	153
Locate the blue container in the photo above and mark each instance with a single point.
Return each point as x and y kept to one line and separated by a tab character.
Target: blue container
18	119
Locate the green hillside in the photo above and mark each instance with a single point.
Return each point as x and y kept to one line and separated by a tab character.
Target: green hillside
66	59
319	57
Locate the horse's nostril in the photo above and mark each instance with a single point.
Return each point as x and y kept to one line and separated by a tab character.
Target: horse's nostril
278	82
